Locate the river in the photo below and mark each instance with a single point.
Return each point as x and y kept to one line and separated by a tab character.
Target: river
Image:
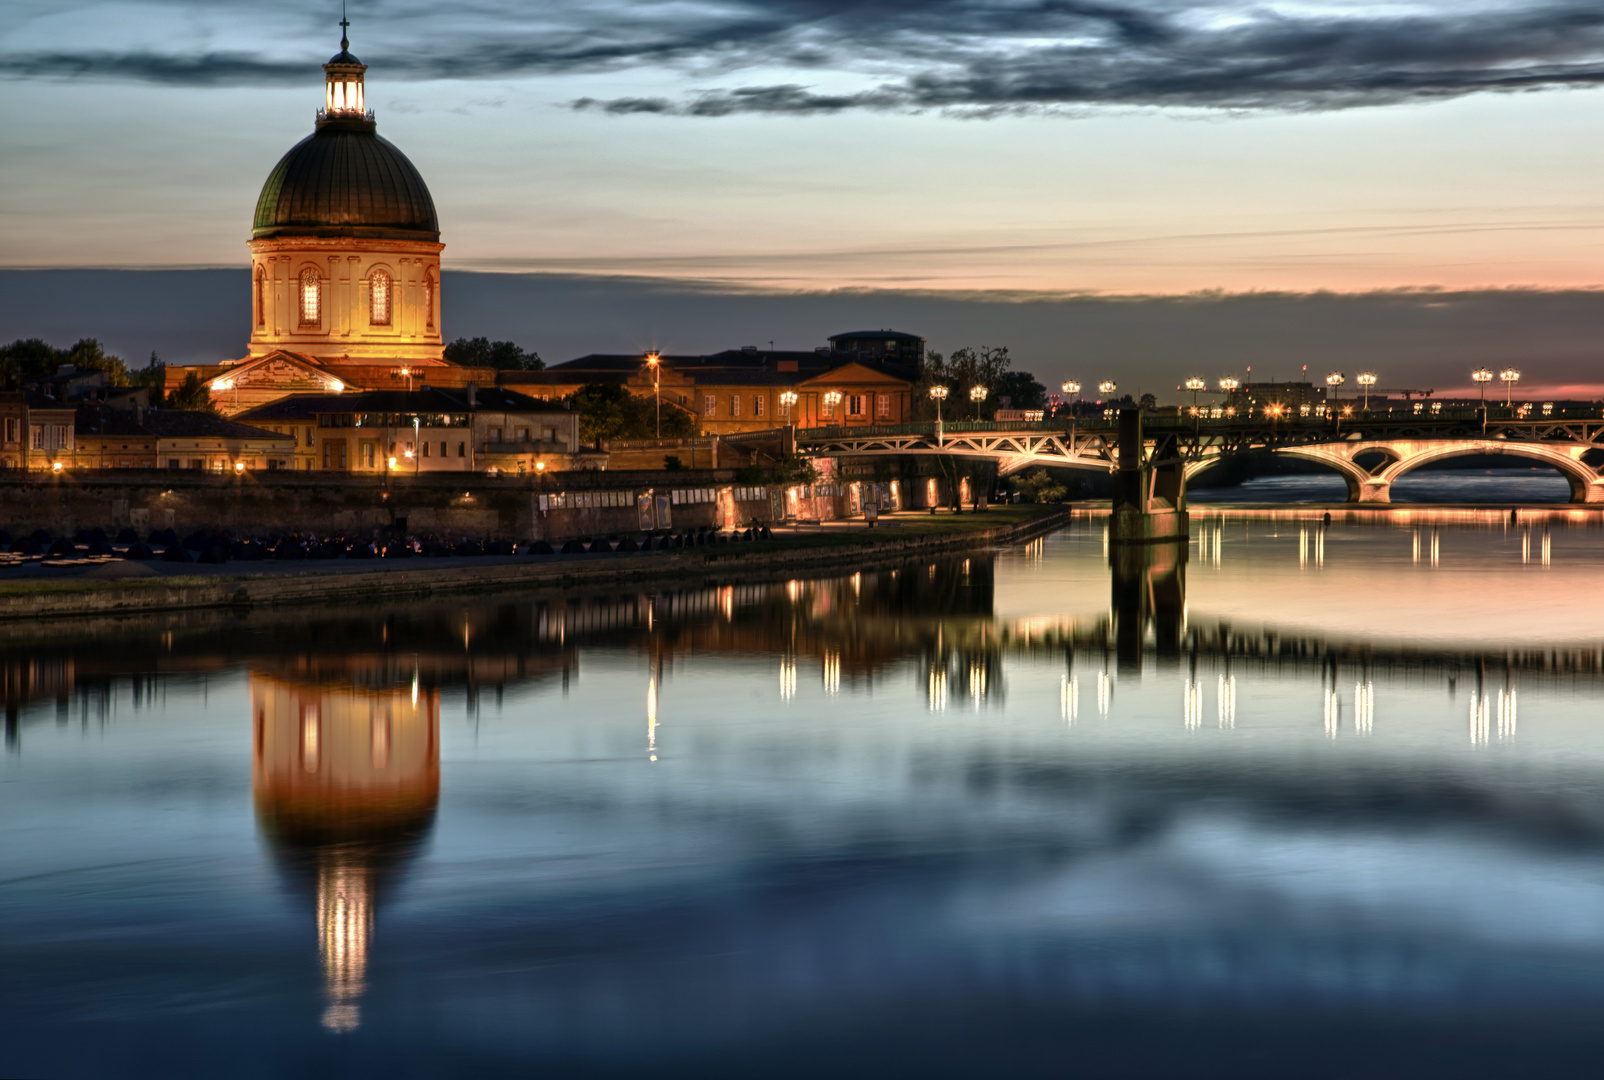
1315	801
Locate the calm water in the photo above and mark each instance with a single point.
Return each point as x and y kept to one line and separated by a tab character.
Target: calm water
1519	485
1316	803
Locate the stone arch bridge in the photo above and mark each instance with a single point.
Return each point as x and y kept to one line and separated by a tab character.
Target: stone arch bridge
1369	453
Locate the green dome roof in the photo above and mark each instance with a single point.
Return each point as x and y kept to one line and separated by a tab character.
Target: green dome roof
344	180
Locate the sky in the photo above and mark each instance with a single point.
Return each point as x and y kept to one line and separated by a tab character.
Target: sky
996	153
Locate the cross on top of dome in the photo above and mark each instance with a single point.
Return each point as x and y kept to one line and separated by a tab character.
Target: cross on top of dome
344	96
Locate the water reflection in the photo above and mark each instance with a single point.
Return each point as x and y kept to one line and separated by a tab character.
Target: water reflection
346	777
877	790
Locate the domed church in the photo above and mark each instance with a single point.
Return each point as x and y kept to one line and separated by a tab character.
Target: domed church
345	265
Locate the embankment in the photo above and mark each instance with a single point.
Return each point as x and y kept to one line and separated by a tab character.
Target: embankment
834	551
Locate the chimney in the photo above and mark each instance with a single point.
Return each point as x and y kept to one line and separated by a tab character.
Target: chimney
473	395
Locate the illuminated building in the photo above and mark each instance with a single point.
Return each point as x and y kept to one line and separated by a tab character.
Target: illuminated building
345	266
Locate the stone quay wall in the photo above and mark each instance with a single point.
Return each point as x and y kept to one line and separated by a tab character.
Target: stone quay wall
596	503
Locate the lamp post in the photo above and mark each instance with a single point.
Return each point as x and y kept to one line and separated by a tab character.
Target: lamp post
1509	376
1481	377
1107	388
1228	386
977	394
1197	386
1072	387
1334	380
1366	379
938	394
787	399
832	398
654	360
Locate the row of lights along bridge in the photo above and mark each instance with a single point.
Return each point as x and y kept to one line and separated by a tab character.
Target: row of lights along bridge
1366	379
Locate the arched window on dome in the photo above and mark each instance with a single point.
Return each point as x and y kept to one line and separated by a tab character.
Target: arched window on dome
379	298
311	297
428	301
261	293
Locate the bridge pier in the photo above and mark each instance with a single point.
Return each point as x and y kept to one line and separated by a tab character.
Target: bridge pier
1149	503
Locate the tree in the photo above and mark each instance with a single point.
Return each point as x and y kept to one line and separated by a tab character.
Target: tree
1020	390
501	355
1040	487
796	469
609	411
35	358
153	376
960	373
192	395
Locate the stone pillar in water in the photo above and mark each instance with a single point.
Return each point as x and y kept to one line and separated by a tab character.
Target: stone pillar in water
1149	488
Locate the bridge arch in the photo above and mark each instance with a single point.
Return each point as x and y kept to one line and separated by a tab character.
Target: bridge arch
1582	478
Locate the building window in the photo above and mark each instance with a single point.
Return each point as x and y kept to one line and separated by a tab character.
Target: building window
379	298
443	450
757	405
261	298
495	434
425	449
856	403
173	463
827	408
462	449
735	404
13	430
428	301
882	405
710	405
311	297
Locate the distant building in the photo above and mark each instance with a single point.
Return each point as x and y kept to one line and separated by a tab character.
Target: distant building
1294	397
881	347
426	430
744	389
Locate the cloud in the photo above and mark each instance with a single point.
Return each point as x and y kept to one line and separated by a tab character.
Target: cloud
963	57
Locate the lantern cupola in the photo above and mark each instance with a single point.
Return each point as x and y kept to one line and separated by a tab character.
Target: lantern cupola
343	99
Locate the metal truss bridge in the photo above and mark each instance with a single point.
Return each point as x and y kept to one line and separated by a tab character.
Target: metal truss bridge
1369	452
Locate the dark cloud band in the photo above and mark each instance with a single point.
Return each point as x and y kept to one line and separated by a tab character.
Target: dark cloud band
975	57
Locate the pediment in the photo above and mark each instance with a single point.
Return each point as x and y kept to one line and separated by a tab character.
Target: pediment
279	373
854	373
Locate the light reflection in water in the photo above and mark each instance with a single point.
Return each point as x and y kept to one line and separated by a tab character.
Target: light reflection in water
345	823
1225	700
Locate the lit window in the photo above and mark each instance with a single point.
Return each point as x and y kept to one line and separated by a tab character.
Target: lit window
710	405
311	297
757	405
379	286
428	301
261	306
882	405
735	404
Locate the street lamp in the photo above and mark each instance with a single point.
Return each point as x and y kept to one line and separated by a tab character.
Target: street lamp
1366	379
654	360
938	394
1228	384
1481	377
1072	387
406	373
1106	387
1197	386
1510	377
832	398
787	399
1334	380
977	394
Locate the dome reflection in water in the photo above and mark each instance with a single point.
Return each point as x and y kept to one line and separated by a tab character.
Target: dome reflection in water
346	778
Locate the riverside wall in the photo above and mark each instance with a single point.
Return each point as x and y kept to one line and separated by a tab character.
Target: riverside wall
269	503
106	599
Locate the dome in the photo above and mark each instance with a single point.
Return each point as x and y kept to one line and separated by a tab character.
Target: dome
344	180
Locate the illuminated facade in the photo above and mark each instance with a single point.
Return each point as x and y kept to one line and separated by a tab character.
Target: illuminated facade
345	266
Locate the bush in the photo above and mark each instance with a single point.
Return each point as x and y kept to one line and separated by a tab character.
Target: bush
1040	487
